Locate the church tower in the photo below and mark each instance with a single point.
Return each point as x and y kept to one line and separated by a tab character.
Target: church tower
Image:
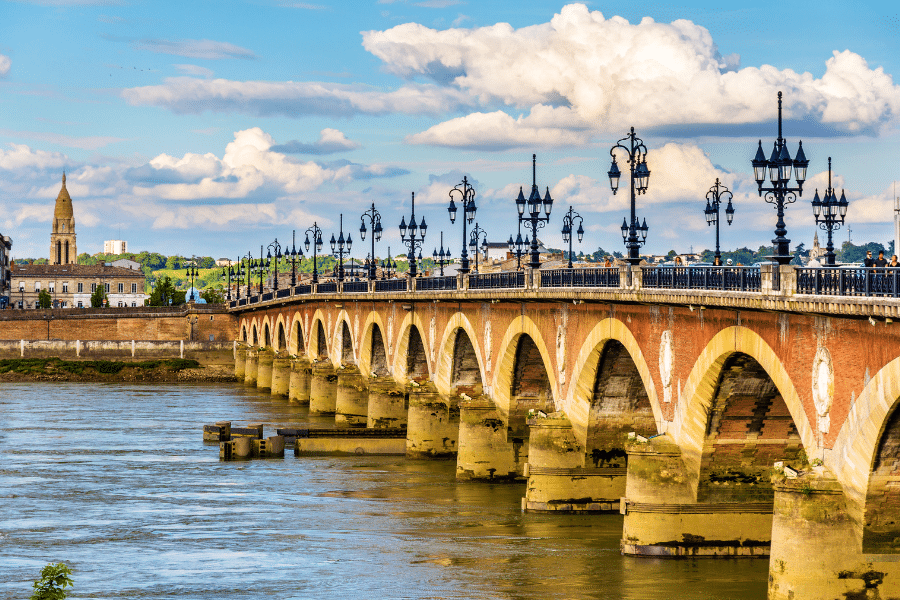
62	240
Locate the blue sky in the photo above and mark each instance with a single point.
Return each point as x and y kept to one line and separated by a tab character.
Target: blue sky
210	128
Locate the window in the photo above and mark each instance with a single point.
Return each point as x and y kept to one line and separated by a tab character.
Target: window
80	287
120	304
65	287
21	288
51	287
121	288
133	303
134	288
80	305
107	288
62	304
93	287
37	286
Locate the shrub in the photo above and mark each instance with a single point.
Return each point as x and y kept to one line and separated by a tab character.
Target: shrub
54	579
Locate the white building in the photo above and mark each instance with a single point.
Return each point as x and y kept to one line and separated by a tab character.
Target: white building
125	263
115	247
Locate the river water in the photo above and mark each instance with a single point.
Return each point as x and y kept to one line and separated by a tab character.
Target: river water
116	481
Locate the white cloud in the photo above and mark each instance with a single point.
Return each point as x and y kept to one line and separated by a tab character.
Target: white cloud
195	70
5	64
206	49
330	141
187	95
20	157
649	74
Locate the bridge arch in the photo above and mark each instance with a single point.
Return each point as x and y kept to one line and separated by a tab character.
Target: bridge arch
692	419
373	347
297	345
445	375
411	357
318	338
521	342
243	337
342	342
254	333
584	375
279	341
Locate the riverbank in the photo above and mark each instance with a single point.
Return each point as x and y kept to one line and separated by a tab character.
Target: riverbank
163	370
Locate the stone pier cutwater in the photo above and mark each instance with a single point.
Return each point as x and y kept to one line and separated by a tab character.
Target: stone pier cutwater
241	443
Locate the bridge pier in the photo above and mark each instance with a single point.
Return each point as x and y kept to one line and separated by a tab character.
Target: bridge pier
663	517
281	375
252	366
264	371
557	477
352	398
817	545
323	389
484	452
301	373
240	362
387	404
432	429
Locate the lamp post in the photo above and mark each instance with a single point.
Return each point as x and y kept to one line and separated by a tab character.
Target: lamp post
568	224
388	267
227	272
192	273
246	269
780	193
466	195
441	257
830	213
518	245
640	176
532	218
261	268
316	246
294	253
714	198
408	236
276	248
341	248
477	232
375	222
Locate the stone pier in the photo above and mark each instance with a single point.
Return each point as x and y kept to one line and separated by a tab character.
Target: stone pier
558	479
240	362
387	404
301	374
352	399
323	389
663	517
484	452
281	375
264	372
432	424
252	366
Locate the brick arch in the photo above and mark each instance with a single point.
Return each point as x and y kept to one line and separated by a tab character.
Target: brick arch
373	320
318	338
243	336
442	374
296	340
402	353
504	371
577	403
689	426
856	449
342	347
279	337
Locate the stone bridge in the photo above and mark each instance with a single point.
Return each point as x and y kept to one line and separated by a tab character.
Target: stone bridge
754	422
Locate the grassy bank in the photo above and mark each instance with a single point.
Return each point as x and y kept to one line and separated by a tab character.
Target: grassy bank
56	369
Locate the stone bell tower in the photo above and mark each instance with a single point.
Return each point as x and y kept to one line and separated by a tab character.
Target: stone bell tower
62	240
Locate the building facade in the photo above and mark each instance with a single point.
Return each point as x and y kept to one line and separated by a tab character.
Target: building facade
5	276
71	286
115	247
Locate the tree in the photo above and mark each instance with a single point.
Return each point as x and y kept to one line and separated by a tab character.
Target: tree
53	582
207	262
98	298
163	293
44	299
174	262
213	296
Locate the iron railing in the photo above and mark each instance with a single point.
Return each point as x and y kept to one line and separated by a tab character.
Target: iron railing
329	287
849	281
735	279
390	285
242	302
303	288
232	303
284	293
597	277
504	279
447	282
355	287
267	296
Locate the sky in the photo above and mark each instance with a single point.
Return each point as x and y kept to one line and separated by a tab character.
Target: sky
211	128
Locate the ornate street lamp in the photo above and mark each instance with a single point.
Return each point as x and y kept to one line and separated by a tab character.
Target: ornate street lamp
408	236
568	224
388	266
192	273
640	177
246	270
467	199
260	268
441	257
375	222
714	198
294	253
276	248
316	246
779	166
477	232
518	246
227	273
532	216
341	248
830	213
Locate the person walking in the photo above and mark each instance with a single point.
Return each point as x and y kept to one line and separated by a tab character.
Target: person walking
880	263
868	262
